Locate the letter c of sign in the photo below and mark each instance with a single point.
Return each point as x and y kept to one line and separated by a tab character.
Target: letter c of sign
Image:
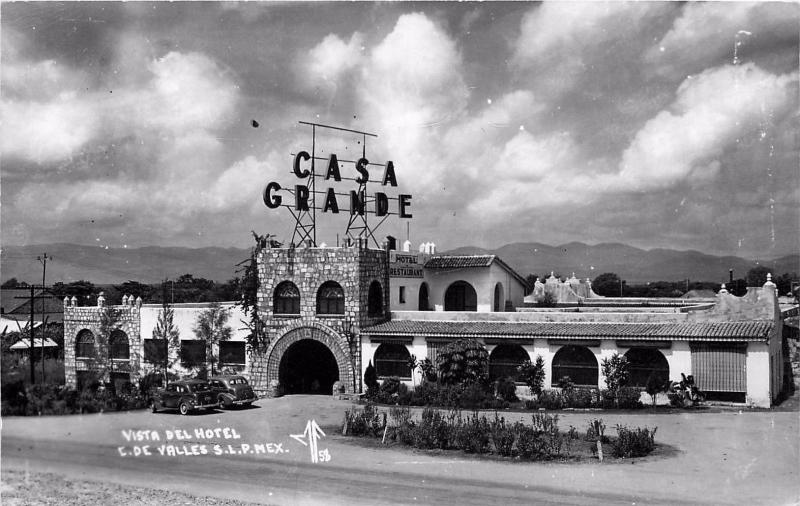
297	172
272	201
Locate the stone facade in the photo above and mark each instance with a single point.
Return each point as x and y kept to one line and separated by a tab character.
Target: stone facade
78	318
354	269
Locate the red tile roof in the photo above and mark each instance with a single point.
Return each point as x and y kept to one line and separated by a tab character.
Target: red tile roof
708	331
469	262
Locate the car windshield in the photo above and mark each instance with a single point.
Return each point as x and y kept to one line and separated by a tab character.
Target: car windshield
200	387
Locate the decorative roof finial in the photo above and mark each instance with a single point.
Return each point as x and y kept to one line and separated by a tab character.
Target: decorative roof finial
722	289
769	280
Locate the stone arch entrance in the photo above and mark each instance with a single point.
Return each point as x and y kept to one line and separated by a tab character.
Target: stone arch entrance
308	359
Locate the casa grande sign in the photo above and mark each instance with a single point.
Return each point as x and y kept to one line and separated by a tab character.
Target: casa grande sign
304	198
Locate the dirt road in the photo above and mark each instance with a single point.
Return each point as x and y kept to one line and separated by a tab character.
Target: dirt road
709	458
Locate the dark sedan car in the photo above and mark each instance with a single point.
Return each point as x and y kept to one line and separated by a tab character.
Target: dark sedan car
232	390
185	396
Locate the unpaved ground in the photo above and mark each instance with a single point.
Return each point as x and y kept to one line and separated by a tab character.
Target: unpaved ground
724	457
26	488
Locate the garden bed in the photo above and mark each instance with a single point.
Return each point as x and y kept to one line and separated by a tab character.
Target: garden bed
477	434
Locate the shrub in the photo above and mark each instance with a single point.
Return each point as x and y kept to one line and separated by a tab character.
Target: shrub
463	360
428	370
368	421
474	395
426	394
636	442
370	376
433	431
616	373
472	435
551	399
506	389
629	398
533	375
502	436
402	425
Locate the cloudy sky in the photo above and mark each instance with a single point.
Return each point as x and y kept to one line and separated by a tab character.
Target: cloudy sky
653	124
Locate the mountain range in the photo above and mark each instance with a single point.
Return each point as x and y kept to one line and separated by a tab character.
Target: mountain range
152	264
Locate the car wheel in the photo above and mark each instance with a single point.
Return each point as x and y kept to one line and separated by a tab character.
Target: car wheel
184	408
247	404
222	403
153	406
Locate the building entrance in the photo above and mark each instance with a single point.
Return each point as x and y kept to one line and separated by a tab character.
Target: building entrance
308	367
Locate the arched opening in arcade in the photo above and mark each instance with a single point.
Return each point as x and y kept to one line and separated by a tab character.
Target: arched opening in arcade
308	367
646	362
578	363
460	296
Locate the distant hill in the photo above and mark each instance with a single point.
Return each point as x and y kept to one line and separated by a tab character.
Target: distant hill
99	265
153	263
632	264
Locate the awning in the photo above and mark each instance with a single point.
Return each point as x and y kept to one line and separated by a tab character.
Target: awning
25	344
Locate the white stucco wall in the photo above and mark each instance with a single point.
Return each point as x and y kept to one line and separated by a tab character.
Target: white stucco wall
482	279
758	374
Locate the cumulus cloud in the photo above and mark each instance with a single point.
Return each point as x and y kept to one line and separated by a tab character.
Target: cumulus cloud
711	32
185	92
329	61
710	112
561	42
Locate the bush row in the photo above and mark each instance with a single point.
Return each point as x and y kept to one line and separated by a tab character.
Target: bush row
626	398
49	399
472	434
498	395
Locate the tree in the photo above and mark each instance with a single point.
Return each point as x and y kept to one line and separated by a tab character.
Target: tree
533	375
82	290
757	276
607	284
211	327
530	282
166	330
136	289
13	283
654	386
616	373
463	361
248	299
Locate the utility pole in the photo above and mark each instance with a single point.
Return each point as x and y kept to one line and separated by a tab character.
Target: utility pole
43	260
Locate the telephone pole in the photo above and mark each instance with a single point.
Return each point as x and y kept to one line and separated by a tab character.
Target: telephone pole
43	260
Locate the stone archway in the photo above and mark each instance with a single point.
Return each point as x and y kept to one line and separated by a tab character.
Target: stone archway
299	337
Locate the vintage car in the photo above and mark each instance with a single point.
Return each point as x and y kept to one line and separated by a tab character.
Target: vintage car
232	390
185	396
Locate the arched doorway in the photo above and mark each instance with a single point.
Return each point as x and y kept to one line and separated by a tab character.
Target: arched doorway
375	299
460	296
308	367
499	300
424	303
289	365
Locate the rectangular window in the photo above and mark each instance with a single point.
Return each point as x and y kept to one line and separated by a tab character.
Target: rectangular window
402	295
231	352
155	351
193	353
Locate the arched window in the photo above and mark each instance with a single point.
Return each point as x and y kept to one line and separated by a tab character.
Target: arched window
460	296
577	362
375	299
330	298
286	299
499	300
84	344
504	360
118	345
392	360
424	303
642	362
